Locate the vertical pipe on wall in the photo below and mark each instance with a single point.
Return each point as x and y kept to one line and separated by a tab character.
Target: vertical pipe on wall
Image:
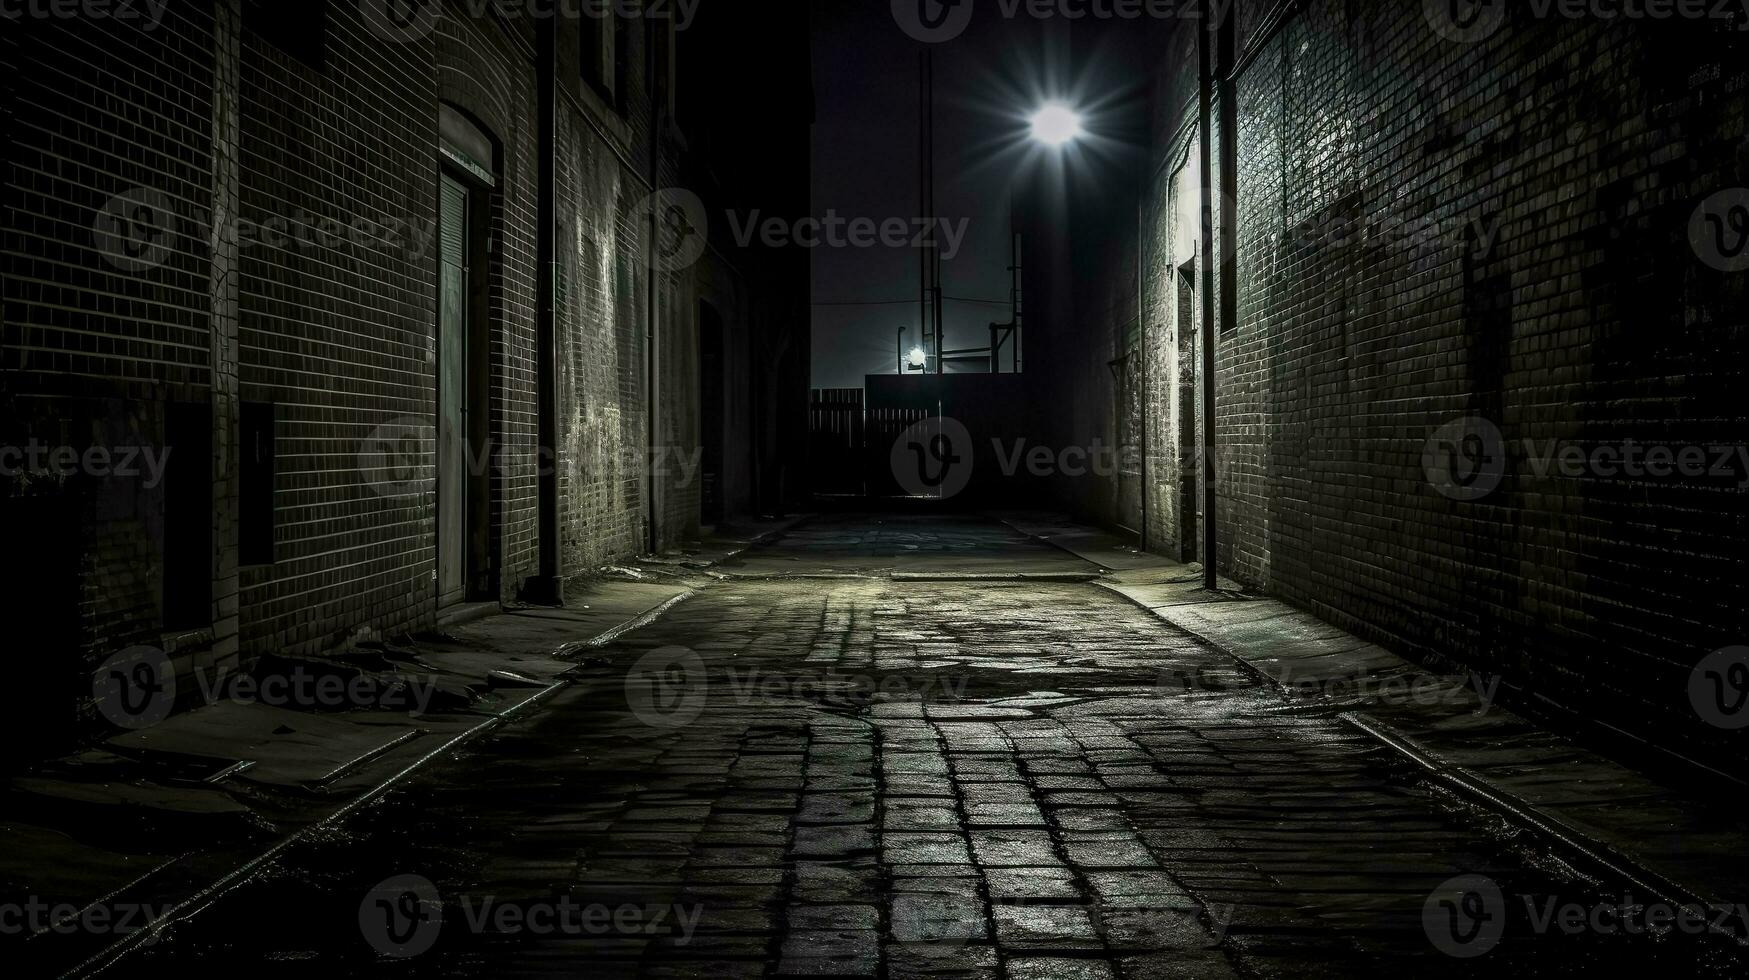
1146	372
934	242
548	586
1205	100
652	376
922	200
1228	232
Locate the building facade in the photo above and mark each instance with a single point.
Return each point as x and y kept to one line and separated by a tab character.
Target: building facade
1461	268
388	314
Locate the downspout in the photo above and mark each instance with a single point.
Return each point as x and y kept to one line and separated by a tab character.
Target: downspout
1142	325
1229	230
1205	104
653	413
548	586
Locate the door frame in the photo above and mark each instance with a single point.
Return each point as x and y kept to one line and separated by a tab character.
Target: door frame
459	163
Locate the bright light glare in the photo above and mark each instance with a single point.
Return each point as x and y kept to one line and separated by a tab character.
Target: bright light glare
918	358
1055	124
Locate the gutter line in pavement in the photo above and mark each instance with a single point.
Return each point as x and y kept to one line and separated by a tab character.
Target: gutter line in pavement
1470	785
118	950
113	954
1586	847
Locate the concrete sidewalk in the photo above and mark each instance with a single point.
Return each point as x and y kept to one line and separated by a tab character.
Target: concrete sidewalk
1679	848
167	815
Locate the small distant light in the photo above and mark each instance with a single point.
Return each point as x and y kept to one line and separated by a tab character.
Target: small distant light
918	357
1055	124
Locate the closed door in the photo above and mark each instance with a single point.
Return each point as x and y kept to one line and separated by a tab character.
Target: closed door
452	386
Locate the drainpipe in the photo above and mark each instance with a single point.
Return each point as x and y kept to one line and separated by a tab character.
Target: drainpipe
1147	371
1205	106
548	586
652	377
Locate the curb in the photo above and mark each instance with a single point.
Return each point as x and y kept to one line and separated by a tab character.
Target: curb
1588	851
1559	835
114	952
1474	787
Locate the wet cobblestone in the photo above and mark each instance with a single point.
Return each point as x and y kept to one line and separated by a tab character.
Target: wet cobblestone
869	778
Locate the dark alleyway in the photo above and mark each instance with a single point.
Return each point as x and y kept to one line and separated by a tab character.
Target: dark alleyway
814	767
1034	489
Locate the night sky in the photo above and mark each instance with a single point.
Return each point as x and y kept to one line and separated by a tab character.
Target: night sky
865	161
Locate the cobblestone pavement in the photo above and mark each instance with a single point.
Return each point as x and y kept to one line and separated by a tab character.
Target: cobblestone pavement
858	776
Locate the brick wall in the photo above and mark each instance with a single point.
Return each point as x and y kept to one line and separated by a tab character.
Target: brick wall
289	155
1430	230
339	337
102	121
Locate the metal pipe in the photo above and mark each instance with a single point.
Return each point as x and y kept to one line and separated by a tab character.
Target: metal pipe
652	347
1147	372
548	586
1205	103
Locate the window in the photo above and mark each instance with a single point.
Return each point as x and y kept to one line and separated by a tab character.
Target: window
600	30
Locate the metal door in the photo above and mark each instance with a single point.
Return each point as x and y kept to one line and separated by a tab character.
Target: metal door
452	386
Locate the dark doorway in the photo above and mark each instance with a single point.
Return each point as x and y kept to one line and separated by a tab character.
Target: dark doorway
464	509
452	383
711	414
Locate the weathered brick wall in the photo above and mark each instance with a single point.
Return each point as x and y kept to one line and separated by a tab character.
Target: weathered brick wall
487	70
1432	229
296	157
603	368
97	339
340	334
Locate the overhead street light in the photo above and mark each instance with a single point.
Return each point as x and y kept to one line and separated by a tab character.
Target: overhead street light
1055	124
